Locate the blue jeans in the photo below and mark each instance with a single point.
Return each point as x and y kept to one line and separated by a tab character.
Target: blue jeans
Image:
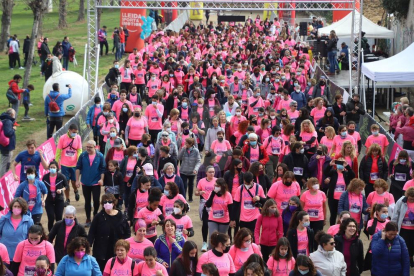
122	49
332	61
65	62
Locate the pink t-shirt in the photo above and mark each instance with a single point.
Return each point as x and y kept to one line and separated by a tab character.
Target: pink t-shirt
206	186
254	154
380	225
248	211
141	202
136	251
306	136
303	242
136	128
220	148
15	222
282	193
240	256
168	204
149	216
117	107
224	264
67	232
333	230
69	147
219	209
3	254
407	223
381	140
154	122
53	185
374	197
118	155
27	253
317	113
340	186
130	169
314	204
32	196
355	206
91	158
293	115
95	114
338	141
182	223
153	86
140	76
120	269
281	267
327	142
408	184
144	270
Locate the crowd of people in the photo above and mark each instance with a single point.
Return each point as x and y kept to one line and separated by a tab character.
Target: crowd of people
232	115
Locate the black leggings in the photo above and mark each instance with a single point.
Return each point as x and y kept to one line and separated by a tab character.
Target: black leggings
141	90
188	181
249	225
408	236
333	208
204	227
26	109
54	211
88	193
266	251
154	134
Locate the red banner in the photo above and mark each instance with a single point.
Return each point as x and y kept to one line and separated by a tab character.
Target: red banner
8	185
130	18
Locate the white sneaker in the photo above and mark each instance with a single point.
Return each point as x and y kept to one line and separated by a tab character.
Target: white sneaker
21	68
204	247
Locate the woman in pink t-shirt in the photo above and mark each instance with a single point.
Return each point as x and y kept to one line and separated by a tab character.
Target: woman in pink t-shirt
137	125
300	235
182	220
380	195
334	229
328	139
281	260
243	247
314	203
151	214
122	264
319	110
309	138
380	217
28	250
281	191
138	242
219	257
171	194
220	146
151	267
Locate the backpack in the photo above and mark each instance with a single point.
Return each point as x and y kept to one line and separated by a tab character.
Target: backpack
113	263
4	140
13	99
53	106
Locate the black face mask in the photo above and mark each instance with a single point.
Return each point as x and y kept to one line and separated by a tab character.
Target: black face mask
220	139
239	169
351	131
137	114
287	183
319	152
321	83
186	131
227	249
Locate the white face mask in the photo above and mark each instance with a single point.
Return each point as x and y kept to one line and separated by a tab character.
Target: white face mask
217	189
315	187
177	210
110	121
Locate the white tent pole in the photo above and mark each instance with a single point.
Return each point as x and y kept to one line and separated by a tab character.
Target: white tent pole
350	70
373	101
363	95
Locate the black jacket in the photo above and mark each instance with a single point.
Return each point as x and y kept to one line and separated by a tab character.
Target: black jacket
229	176
178	269
333	174
112	76
292	236
331	45
366	165
58	234
297	160
9	132
337	110
396	186
115	179
317	91
61	182
44	51
350	106
357	254
103	234
164	160
26	45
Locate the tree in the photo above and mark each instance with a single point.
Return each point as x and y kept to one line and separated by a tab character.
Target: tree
81	15
7	7
39	8
62	14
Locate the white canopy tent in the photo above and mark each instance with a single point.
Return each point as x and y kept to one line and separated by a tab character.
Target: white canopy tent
398	68
344	26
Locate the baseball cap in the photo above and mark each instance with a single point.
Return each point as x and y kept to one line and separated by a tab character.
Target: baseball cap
117	142
148	168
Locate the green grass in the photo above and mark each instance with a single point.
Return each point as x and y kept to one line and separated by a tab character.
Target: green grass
22	22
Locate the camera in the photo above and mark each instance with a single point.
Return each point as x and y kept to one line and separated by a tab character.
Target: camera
258	204
67	85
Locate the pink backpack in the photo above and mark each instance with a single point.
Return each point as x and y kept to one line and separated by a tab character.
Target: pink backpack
4	141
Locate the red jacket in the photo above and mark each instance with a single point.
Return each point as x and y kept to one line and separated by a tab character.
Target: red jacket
122	37
272	230
15	88
263	156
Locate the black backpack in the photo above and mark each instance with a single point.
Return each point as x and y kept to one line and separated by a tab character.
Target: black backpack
113	263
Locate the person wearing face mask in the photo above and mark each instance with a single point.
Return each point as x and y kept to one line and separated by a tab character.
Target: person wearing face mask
377	138
281	260
265	86
243	247
108	226
64	231
184	110
36	241
100	120
186	263
326	258
354	109
334	229
401	176
379	218
317	165
339	108
300	235
14	226
254	151
293	207
170	195
34	192
313	202
254	103
78	261
68	150
118	106
340	139
339	175
297	162
321	90
182	220
284	101
381	196
154	113
139	197
106	130
117	152
328	120
56	184
190	164
135	128
43	266
373	166
113	74
218	256
221	146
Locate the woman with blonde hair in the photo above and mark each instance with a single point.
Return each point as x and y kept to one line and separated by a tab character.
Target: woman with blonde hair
354	201
308	136
349	154
175	121
373	166
328	139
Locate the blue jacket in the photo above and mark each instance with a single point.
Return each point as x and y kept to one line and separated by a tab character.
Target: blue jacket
178	181
163	252
90	175
89	119
65	46
88	267
23	191
343	205
154	183
59	101
300	98
389	262
9	132
10	237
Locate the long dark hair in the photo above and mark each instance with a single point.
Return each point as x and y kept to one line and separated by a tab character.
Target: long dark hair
303	260
297	216
190	267
283	241
2	267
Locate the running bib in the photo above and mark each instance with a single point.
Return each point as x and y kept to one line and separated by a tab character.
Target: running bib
248	204
313	213
29	270
218	214
374	176
284	205
154	119
400	176
70	153
151	230
301	251
355	209
297	171
340	188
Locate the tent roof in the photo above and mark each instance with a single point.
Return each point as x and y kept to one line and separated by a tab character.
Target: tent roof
396	68
343	28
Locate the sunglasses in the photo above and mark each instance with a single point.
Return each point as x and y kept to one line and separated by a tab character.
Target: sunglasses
164	135
332	243
108	201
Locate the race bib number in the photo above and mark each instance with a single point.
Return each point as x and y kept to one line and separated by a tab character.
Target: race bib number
29	270
169	211
306	147
374	176
248	204
355	209
211	108
31	202
301	251
151	230
407	222
340	188
275	150
297	171
218	214
284	205
70	153
180	228
129	173
113	190
256	109
313	213
154	119
400	177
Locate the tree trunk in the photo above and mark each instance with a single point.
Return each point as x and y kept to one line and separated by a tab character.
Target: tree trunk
7	7
38	7
62	14
81	15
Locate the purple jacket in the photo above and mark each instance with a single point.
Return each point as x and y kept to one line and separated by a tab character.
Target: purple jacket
163	252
